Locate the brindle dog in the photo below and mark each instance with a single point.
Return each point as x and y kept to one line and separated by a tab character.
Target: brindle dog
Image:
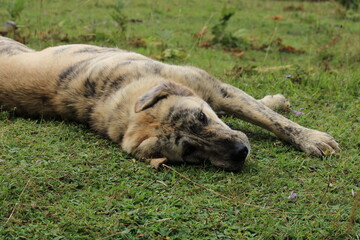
152	109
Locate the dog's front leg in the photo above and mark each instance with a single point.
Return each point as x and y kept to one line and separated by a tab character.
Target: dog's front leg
235	102
146	152
144	149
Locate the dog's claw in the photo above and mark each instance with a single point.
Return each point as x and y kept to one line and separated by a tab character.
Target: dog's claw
318	143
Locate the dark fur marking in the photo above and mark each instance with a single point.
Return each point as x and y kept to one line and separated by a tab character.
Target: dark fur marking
67	72
125	63
119	138
225	93
116	83
136	59
177	139
108	79
153	67
72	71
14	45
97	50
72	111
11	50
290	132
62	49
193	127
175	116
90	88
157	69
112	85
44	100
88	113
170	113
209	77
105	81
191	77
188	120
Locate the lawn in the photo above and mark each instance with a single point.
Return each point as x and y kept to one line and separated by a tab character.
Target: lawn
59	180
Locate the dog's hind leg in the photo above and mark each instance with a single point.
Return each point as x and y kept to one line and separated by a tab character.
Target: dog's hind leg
276	102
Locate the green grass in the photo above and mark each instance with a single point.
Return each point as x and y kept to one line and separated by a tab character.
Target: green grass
60	180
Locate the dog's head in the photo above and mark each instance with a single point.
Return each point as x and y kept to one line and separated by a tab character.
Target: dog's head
171	121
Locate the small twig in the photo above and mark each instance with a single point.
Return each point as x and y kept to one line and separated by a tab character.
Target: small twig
162	183
113	235
157	221
353	211
141	226
326	190
14	208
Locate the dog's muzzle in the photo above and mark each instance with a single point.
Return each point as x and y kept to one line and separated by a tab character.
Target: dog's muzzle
233	156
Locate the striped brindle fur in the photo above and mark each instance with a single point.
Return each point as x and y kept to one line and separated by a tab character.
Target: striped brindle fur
152	109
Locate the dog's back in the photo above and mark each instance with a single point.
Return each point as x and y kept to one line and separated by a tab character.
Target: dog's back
62	81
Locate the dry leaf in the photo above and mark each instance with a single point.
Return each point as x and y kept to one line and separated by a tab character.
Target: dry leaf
277	17
290	49
205	44
293	8
200	34
156	162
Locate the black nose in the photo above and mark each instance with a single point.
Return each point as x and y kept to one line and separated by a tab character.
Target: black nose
239	153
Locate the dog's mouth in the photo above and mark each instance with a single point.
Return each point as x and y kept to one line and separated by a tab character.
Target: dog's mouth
189	150
192	154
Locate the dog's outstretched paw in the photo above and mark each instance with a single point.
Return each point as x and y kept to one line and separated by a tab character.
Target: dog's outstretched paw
317	143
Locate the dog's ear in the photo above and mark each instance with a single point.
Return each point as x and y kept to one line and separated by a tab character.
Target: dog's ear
161	91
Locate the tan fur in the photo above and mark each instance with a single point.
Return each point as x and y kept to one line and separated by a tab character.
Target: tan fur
154	110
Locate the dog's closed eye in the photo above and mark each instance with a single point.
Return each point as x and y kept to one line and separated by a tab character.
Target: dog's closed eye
202	117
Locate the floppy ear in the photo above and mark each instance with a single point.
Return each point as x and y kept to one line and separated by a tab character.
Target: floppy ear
161	91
